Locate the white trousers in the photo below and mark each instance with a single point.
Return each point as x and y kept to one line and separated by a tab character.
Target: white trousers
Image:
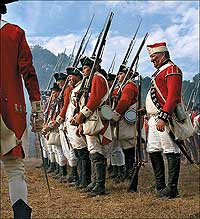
67	150
44	146
76	142
115	153
159	141
14	167
94	146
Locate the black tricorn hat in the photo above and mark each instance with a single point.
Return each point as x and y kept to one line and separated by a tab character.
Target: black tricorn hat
70	70
3	9
60	76
111	77
85	60
8	1
47	93
103	72
123	68
55	87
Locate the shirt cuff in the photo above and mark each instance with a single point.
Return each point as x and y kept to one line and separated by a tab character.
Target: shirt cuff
86	112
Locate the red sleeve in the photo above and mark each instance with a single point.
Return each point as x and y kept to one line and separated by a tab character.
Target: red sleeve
174	83
27	70
128	98
66	101
98	91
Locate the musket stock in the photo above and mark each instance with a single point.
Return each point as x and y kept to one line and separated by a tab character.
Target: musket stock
134	180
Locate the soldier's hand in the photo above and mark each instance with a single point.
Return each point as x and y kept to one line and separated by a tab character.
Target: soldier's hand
73	121
79	131
80	118
160	125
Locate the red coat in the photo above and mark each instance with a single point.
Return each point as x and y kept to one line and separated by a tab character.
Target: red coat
66	98
98	90
128	97
169	82
16	62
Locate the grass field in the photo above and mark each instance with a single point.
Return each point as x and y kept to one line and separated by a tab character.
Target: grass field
67	202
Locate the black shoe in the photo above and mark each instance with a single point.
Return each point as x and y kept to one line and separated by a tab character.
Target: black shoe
21	210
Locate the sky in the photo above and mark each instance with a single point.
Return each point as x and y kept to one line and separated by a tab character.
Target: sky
57	25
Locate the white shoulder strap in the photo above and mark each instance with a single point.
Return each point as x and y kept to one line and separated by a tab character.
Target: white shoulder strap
155	85
2	23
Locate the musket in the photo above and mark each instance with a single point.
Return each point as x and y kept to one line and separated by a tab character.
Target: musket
63	56
99	37
131	45
192	94
47	108
54	70
83	51
128	74
181	146
76	60
86	45
110	70
43	160
71	57
195	94
98	56
134	180
126	57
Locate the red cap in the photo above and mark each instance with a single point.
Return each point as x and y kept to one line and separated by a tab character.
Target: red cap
157	47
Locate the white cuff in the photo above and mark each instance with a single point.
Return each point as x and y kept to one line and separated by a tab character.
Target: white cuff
36	106
59	119
116	116
86	112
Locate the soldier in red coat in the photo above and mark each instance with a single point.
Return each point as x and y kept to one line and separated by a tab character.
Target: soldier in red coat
163	96
124	131
98	95
16	63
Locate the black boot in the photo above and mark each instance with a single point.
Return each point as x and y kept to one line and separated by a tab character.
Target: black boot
129	159
93	179
46	163
56	173
85	168
174	161
63	174
74	177
52	167
114	173
159	170
121	174
21	210
100	170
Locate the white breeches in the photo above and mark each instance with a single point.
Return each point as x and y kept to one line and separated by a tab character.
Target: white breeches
44	146
15	171
94	145
59	155
68	150
114	151
76	142
51	153
159	141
